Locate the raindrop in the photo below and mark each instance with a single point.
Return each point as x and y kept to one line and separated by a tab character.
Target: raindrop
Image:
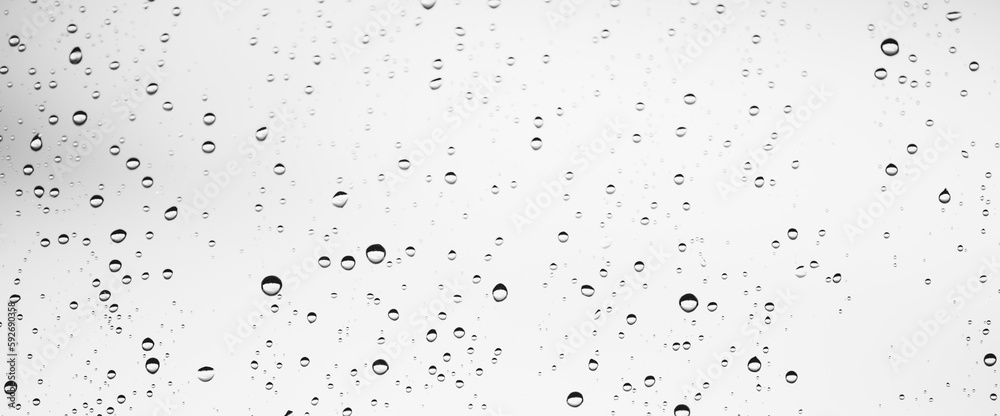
79	118
152	365
688	303
340	199
436	83
499	292
990	359
944	196
36	143
791	377
953	16
890	47
682	410
380	366
753	365
96	201
170	213
208	119
881	73
575	399
375	253
206	374
428	3
891	169
347	263
147	344
118	235
75	56
271	285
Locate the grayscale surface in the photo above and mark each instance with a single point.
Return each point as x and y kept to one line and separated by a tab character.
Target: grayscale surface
499	207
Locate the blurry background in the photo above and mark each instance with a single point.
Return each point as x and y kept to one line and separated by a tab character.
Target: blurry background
391	162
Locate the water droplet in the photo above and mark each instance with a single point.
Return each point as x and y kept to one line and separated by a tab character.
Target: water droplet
436	83
631	319
944	196
208	119
890	47
96	201
587	290
536	143
592	365
881	73
340	199
753	365
891	169
375	253
393	314
499	292
682	410
147	344
380	366
79	118
36	143
450	178
152	365
347	263
271	285
14	40
75	56
206	374
688	303
170	213
428	3
132	163
990	359
953	16
690	99
261	134
973	66
575	399
791	377
118	235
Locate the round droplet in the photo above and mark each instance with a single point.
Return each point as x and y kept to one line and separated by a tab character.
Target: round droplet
206	374
499	292
340	199
944	196
375	253
587	290
118	235
881	73
75	56
690	99
688	303
891	169
953	16
271	285
536	143
147	344
450	178
393	314
208	119
682	410
890	47
152	365
990	359
260	134
380	366
79	118
208	147
132	163
428	3
170	213
791	377
96	201
974	66
36	143
753	365
575	399
347	263
436	83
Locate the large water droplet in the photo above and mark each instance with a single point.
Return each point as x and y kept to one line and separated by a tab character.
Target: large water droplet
791	377
347	263
499	292
575	399
147	344
271	285
682	410
75	56
990	359
96	201
118	235
944	196
36	143
79	118
206	374
688	303
375	253
380	366
170	213
881	73
152	365
340	199
753	365
890	47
